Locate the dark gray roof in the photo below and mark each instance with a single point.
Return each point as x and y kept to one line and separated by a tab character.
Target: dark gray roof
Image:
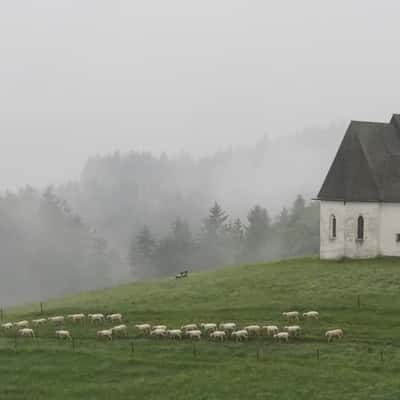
367	164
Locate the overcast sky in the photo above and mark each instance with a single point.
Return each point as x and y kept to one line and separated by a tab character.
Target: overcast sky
84	77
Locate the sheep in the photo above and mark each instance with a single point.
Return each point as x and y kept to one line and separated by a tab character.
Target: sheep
228	327
144	328
96	317
311	315
120	330
159	333
336	333
105	334
270	330
21	324
282	336
159	327
175	334
209	327
218	335
115	317
57	320
192	335
26	332
293	316
293	330
7	326
253	330
240	335
190	327
37	322
63	335
76	317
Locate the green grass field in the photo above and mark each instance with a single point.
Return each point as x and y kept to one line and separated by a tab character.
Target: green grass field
365	365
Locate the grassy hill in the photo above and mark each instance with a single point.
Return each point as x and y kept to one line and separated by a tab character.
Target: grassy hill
365	365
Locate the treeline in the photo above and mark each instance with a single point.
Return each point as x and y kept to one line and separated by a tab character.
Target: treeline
225	240
47	250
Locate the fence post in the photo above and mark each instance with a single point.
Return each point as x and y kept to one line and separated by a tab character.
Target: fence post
318	354
132	348
1	314
382	359
259	354
15	343
73	344
41	308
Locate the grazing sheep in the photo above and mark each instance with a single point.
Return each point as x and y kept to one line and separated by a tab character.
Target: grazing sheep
105	334
96	317
192	335
159	333
228	327
77	317
26	332
37	322
115	317
57	320
7	326
21	324
271	330
254	330
120	330
293	316
336	333
190	327
293	330
175	334
144	328
63	335
311	315
282	336
240	335
209	327
160	327
218	335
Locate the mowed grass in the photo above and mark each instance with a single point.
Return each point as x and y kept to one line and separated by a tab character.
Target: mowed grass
365	365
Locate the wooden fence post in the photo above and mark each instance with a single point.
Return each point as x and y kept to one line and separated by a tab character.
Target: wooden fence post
41	308
132	348
15	343
382	359
1	314
318	354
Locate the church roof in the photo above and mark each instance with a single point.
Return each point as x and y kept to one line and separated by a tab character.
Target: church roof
367	164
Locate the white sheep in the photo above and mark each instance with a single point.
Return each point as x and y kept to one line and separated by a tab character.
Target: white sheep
144	328
21	324
218	335
254	330
240	335
7	326
120	330
228	327
282	336
335	333
105	334
96	317
159	327
63	335
271	330
311	315
37	322
115	317
194	335
77	317
190	327
293	330
175	334
26	332
210	327
158	333
57	320
292	316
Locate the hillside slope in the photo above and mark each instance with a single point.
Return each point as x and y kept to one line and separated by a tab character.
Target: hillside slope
352	369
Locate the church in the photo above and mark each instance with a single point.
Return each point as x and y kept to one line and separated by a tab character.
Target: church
360	198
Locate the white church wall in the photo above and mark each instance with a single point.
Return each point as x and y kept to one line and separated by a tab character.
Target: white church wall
390	229
331	248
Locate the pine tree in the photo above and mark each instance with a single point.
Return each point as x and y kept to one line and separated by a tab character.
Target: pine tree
217	217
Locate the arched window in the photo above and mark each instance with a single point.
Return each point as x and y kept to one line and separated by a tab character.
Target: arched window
360	228
333	227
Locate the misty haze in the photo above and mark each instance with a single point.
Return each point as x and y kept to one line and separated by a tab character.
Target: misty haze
146	146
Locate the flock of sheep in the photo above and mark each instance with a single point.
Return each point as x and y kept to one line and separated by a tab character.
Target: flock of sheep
214	331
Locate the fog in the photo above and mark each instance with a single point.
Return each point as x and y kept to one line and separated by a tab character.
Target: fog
79	78
146	113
